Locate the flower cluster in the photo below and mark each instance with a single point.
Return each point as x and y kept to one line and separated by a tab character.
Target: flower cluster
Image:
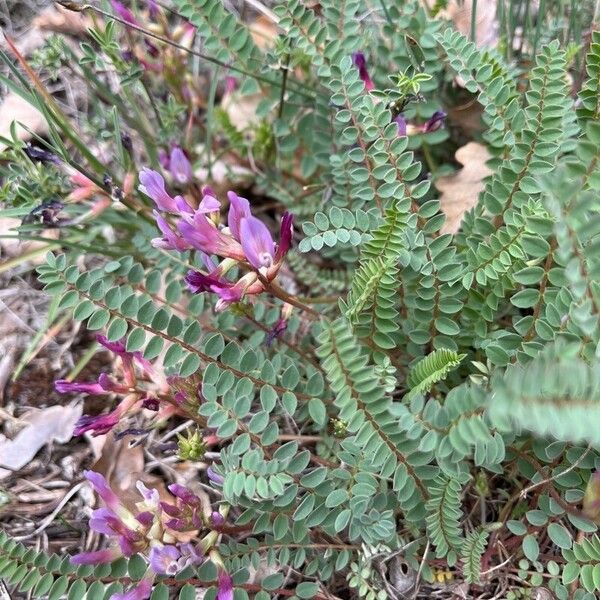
151	530
134	395
244	241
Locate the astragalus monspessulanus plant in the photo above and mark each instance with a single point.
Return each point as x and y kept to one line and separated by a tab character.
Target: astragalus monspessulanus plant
378	405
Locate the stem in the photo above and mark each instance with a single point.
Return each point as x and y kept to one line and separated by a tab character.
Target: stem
474	22
284	76
280	293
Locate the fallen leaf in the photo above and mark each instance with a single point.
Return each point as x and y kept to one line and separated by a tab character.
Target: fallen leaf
52	424
486	24
461	190
122	464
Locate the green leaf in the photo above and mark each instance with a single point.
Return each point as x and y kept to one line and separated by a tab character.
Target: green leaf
317	411
307	589
560	535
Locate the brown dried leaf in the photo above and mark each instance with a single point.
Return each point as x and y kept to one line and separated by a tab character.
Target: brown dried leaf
461	190
44	426
123	465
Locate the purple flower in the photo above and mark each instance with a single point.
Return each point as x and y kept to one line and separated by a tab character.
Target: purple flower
62	386
190	555
239	208
435	122
164	561
140	592
109	385
214	476
151	496
153	185
127	357
103	490
98	425
145	518
41	155
151	48
117	347
99	557
285	235
180	166
153	9
224	586
171	240
123	12
360	62
204	236
184	494
170	509
163	158
227	291
151	404
401	122
276	331
257	243
208	204
216	518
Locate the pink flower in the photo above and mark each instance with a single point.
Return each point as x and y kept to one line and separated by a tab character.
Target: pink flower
62	386
84	187
99	557
224	586
98	425
140	592
201	233
360	62
123	12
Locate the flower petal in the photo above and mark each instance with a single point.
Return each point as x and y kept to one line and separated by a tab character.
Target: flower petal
99	557
224	586
180	167
98	425
286	231
103	490
164	560
153	185
239	208
62	386
257	243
